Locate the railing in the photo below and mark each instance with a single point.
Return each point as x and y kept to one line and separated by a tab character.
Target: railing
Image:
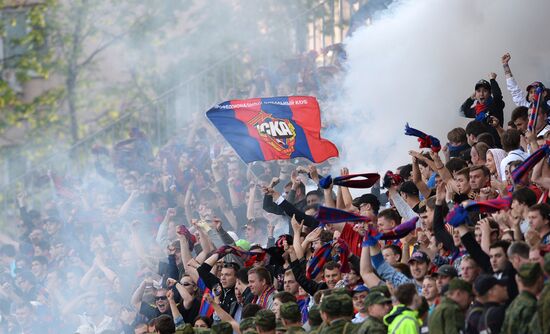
327	23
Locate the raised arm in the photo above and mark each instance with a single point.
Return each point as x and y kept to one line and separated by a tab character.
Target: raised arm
417	177
366	270
518	95
176	315
309	286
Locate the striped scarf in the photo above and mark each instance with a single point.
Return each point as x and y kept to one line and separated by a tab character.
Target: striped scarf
323	255
263	298
372	236
350	181
333	216
530	162
425	140
534	109
460	214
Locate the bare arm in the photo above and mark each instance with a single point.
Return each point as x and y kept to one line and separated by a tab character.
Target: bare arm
224	316
250	204
329	200
297	228
126	206
186	257
417	178
366	270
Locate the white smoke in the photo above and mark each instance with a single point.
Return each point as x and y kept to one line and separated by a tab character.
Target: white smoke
420	61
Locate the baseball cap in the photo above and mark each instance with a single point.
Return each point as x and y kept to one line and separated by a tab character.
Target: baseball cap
419	256
483	83
447	270
222	328
376	297
529	273
290	311
535	84
244	244
247	323
360	288
265	319
484	283
459	284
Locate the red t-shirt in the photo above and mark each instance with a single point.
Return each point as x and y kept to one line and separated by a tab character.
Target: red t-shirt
352	238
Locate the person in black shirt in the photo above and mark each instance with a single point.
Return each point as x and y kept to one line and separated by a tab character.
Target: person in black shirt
225	285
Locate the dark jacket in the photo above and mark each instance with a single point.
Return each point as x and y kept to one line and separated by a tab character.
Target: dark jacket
494	109
227	296
482	259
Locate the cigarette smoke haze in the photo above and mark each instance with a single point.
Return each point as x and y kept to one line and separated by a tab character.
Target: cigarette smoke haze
418	63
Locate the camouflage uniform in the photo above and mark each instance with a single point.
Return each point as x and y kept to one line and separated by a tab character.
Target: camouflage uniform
290	313
340	307
448	317
520	312
314	320
373	325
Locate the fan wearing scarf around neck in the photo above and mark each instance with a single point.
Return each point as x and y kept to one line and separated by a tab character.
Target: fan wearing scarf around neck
485	101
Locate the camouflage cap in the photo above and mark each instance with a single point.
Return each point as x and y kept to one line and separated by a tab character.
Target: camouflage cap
529	273
280	327
185	329
547	263
314	316
199	330
337	305
247	323
290	311
459	284
376	297
341	291
382	288
222	328
265	319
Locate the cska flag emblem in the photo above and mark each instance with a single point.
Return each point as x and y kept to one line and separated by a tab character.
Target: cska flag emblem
277	133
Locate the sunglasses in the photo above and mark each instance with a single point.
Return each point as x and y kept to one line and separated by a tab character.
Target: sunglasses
161	298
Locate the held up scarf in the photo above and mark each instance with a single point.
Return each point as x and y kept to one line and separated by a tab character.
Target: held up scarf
530	162
372	236
534	109
425	140
350	181
459	214
334	216
323	255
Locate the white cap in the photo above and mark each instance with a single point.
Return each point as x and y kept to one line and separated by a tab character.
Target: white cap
233	235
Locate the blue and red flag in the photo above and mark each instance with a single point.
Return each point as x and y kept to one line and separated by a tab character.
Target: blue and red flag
274	128
206	310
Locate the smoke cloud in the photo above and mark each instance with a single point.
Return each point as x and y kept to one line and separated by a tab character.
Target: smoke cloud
419	61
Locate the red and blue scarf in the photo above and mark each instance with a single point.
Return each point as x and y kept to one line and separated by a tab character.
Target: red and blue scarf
350	181
530	162
372	235
334	216
460	213
425	140
534	109
323	255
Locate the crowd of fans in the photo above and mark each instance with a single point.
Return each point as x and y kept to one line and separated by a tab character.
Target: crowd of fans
187	238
